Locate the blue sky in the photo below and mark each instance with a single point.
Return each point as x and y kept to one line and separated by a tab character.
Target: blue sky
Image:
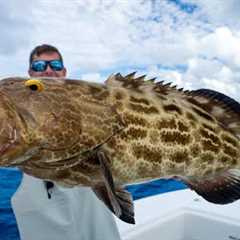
192	43
185	6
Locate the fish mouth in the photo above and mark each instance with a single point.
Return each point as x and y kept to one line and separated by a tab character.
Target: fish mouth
9	146
12	140
12	132
14	151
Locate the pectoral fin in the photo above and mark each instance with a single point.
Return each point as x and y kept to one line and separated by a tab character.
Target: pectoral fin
117	199
219	189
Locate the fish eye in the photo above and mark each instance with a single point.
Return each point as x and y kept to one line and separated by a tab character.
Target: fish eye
34	84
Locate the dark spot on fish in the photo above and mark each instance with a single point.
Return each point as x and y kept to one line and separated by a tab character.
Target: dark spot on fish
161	97
103	95
176	168
143	169
132	84
98	92
134	133
191	117
207	157
135	120
203	114
94	89
59	91
139	100
209	135
208	145
118	105
172	108
195	102
230	151
112	142
182	127
209	127
143	109
161	90
234	161
230	140
195	150
151	155
72	82
168	124
86	140
180	156
175	137
118	95
70	107
225	159
77	94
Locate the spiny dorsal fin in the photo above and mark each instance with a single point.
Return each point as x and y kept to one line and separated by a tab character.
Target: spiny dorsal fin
130	75
140	83
128	81
152	80
141	78
115	80
225	109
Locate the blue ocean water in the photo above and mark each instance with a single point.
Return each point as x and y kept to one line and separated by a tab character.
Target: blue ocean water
10	179
154	187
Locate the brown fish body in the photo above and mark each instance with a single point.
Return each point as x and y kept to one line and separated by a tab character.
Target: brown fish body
128	130
169	133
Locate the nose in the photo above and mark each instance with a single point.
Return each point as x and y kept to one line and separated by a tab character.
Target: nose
49	71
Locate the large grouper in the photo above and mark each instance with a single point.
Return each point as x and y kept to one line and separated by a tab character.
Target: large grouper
126	130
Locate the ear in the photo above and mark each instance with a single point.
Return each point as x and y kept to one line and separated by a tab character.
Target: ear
64	72
30	72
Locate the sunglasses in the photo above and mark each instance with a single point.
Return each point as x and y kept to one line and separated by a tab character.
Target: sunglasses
41	65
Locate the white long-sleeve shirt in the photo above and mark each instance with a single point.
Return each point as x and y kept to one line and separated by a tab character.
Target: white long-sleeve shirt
70	214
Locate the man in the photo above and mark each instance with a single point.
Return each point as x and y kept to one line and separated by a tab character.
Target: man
46	211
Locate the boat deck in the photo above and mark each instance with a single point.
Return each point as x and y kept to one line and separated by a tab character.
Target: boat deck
182	215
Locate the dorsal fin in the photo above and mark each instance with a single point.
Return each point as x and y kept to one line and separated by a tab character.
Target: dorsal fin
114	80
225	109
130	75
128	81
138	83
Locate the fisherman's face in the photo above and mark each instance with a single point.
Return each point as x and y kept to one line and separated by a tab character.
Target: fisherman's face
48	72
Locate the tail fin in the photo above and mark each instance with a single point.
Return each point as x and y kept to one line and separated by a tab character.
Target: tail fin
219	189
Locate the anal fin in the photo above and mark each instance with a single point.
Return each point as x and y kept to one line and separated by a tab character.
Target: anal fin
220	189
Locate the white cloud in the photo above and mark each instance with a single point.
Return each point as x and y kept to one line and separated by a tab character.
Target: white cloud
93	77
97	36
219	12
222	44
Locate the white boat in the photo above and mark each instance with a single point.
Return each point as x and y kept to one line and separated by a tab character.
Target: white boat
182	215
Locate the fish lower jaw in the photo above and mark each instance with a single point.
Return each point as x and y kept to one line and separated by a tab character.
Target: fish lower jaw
22	158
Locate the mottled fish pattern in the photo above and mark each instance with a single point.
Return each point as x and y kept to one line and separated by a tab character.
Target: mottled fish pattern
124	131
